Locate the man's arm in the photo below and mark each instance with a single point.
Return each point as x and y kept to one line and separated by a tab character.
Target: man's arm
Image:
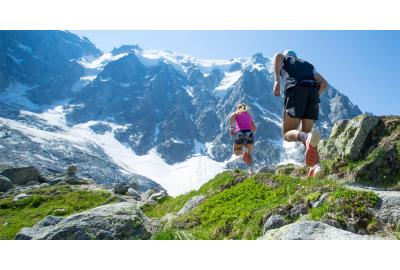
322	82
278	60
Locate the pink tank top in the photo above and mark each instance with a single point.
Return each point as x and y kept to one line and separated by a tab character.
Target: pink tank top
243	121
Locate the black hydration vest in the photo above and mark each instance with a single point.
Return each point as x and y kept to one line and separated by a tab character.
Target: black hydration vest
297	72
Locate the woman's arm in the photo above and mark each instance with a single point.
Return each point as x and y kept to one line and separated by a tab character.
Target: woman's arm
231	122
253	126
232	119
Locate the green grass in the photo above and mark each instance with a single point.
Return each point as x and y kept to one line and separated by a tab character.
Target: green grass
173	234
239	211
343	204
61	200
168	205
174	204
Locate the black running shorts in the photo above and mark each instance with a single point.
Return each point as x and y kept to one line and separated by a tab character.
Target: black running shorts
244	137
302	102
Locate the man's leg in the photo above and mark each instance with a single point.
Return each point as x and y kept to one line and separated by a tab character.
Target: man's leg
310	140
290	126
305	128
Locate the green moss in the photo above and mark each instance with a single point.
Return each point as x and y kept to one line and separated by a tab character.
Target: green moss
235	209
61	200
167	205
313	196
343	204
172	234
238	209
171	204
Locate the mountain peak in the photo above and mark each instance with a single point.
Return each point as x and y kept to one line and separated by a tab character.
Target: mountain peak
258	58
125	49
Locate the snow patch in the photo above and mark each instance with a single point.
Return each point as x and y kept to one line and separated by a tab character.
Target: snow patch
16	95
230	79
181	62
293	152
101	62
189	90
199	148
177	179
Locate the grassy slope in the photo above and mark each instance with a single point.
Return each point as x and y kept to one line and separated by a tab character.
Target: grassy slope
237	211
59	200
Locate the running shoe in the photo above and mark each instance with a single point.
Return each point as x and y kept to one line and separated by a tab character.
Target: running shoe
312	141
316	172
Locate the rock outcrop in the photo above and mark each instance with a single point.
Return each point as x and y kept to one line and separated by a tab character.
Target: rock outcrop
190	204
113	221
24	175
274	222
366	148
311	230
5	184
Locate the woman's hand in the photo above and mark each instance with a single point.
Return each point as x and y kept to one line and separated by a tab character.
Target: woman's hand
232	131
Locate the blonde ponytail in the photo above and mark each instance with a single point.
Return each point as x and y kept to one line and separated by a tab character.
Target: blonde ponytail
241	108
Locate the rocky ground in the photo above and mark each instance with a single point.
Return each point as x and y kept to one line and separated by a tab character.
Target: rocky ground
358	199
69	207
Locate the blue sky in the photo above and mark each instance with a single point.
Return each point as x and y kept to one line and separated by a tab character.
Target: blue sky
364	65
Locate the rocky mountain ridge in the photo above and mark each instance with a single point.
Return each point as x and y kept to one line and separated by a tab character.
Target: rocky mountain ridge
64	101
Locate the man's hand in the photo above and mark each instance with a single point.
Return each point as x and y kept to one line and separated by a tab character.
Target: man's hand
277	89
323	84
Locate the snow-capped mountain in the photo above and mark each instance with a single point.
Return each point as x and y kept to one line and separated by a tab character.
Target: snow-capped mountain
155	113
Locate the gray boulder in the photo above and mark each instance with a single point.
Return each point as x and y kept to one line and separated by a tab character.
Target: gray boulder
32	183
389	210
348	137
370	141
320	200
21	196
190	204
274	222
311	230
56	180
24	175
133	193
120	188
112	221
152	196
5	184
71	176
298	210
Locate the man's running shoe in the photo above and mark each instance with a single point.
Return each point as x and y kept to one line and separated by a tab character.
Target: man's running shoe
311	148
316	172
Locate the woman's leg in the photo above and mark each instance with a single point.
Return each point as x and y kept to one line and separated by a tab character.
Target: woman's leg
247	158
237	149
